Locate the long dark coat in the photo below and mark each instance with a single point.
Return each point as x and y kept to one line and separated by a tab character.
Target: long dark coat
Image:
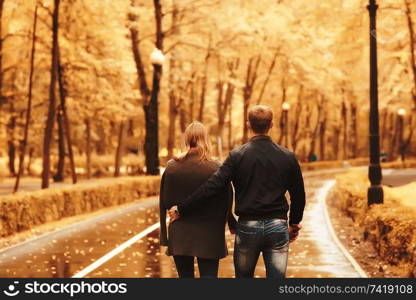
202	232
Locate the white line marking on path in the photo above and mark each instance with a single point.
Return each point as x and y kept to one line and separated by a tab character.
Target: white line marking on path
94	219
102	260
322	195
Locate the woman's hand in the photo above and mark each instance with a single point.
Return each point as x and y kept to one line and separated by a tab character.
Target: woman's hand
173	214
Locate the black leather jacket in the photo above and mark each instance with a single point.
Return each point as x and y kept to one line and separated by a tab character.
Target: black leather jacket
262	172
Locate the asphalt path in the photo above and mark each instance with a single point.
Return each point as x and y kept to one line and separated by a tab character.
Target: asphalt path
124	243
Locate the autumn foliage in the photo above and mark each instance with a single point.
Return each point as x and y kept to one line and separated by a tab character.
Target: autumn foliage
390	227
96	92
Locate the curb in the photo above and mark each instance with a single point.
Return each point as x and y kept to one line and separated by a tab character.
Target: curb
323	194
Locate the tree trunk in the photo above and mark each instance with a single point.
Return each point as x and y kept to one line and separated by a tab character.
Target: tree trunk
344	130
101	146
224	99
354	132
29	102
221	108
220	115
337	132
204	83
11	144
280	118
384	129
316	131
192	99
408	141
60	170
150	108
12	157
88	147
322	132
1	49
119	151
52	99
230	126
400	144
173	112
413	60
296	135
269	75
30	160
182	119
394	135
141	74
66	126
251	77
151	145
412	45
134	35
173	109
245	120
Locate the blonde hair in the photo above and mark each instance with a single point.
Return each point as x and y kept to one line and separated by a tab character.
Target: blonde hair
196	136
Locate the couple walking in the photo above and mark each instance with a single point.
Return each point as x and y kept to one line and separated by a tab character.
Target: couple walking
197	193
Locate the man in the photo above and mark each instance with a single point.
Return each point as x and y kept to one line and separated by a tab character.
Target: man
262	172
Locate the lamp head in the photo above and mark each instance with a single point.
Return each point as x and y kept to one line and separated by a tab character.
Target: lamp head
157	57
401	112
285	106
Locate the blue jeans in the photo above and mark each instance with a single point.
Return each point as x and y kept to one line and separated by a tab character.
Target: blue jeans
271	237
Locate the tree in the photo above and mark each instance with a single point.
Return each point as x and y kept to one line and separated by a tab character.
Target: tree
149	97
88	147
29	104
64	127
119	151
174	107
225	97
412	42
52	99
1	48
251	78
204	82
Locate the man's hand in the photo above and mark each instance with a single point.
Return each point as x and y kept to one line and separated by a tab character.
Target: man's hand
173	214
294	232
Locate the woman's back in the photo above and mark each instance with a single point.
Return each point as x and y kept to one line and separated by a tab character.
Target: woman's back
183	177
202	233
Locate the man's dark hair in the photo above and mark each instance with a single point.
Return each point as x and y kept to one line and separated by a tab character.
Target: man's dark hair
260	118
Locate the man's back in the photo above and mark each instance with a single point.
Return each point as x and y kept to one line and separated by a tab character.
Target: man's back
263	172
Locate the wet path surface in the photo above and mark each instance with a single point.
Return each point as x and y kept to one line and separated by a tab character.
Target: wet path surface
63	253
66	252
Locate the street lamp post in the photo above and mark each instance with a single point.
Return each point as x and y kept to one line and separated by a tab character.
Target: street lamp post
285	108
152	141
401	113
375	191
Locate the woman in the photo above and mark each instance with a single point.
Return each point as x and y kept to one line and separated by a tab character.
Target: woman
202	234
